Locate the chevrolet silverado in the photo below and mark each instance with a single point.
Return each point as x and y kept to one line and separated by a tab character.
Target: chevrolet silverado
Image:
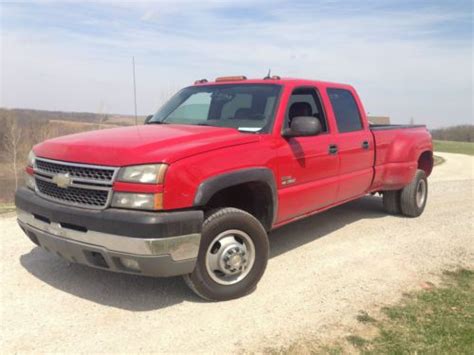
195	190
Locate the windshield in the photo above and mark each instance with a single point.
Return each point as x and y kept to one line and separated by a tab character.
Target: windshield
248	108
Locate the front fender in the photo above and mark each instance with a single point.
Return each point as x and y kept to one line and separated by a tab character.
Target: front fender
212	185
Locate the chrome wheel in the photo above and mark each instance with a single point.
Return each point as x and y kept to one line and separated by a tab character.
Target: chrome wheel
230	257
420	193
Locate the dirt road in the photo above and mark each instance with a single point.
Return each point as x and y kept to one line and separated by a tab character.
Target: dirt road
322	271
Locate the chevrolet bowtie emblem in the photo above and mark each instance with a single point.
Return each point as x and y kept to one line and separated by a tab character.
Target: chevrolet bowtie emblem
62	180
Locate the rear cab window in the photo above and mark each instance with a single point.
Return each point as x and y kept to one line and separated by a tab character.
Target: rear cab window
345	110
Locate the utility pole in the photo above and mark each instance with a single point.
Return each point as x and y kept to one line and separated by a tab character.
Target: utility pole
134	91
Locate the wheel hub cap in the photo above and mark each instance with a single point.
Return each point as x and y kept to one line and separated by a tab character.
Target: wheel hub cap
234	259
230	257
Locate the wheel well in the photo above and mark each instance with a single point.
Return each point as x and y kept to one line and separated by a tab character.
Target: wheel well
252	197
425	162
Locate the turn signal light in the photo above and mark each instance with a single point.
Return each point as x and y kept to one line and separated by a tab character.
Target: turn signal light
159	201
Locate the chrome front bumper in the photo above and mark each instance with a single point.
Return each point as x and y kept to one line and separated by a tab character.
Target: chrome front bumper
167	256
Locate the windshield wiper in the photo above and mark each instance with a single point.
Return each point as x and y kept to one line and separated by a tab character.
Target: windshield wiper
157	122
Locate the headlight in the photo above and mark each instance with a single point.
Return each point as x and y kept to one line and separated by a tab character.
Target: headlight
137	201
31	159
145	174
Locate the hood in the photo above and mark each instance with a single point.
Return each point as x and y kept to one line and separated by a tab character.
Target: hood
140	144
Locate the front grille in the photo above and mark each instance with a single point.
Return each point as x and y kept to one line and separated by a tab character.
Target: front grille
76	171
73	195
90	186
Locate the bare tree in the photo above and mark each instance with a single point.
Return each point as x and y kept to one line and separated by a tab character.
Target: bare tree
12	142
36	132
101	115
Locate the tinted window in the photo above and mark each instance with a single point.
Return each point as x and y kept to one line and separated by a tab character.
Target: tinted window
345	109
239	102
194	106
313	106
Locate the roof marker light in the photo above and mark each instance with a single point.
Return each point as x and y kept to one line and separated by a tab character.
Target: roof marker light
231	78
273	77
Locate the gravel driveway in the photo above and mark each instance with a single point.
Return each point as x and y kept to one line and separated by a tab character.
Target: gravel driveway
322	271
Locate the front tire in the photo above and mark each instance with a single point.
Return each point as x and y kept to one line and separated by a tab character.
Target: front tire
414	196
232	258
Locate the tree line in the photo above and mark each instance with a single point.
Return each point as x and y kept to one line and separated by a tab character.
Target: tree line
19	134
462	133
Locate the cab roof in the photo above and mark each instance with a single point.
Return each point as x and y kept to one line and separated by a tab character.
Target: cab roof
270	81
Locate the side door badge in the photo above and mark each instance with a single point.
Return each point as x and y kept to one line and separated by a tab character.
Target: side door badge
287	180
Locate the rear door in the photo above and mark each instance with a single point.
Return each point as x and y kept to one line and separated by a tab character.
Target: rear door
354	144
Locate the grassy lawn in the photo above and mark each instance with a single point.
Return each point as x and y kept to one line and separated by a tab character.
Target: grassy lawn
6	207
454	147
435	320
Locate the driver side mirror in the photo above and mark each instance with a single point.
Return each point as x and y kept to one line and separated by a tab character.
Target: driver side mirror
303	126
148	118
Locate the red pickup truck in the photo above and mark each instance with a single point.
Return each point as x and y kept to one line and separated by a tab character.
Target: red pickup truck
195	190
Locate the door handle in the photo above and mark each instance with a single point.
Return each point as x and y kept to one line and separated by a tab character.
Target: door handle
365	144
332	149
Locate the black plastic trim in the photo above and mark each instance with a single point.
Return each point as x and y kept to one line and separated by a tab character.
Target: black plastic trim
211	186
134	224
383	127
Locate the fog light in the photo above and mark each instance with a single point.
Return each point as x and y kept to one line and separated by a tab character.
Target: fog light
131	200
130	264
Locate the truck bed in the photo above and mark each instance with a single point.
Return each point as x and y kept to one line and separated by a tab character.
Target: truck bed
398	149
381	127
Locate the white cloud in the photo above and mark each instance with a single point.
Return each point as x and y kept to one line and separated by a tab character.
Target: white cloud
398	60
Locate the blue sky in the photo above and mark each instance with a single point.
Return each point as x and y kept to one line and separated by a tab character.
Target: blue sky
407	59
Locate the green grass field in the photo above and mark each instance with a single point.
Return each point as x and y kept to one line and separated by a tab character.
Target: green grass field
454	147
434	320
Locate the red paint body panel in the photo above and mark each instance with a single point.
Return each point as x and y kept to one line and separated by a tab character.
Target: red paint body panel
197	153
137	145
140	188
184	177
397	155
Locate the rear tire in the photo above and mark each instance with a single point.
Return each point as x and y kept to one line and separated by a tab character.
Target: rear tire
414	196
232	258
391	201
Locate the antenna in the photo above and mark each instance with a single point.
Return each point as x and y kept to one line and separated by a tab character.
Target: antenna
268	75
134	91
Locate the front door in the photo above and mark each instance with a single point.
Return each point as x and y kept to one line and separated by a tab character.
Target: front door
307	170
